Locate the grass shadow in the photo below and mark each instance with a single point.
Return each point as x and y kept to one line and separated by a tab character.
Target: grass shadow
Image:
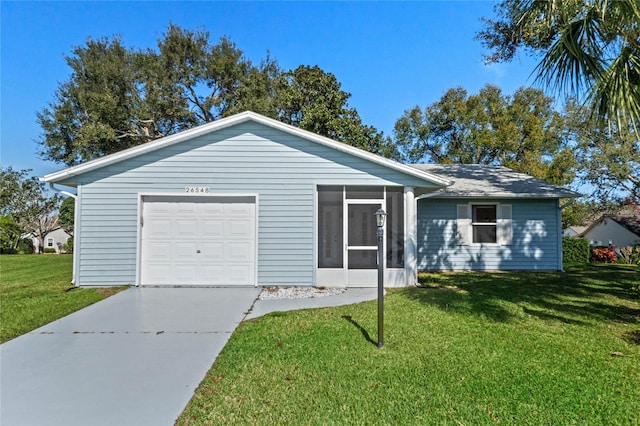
582	295
362	330
632	337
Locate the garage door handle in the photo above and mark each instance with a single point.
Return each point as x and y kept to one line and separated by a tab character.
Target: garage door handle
197	251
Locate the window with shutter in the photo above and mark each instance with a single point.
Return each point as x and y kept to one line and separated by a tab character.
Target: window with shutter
484	224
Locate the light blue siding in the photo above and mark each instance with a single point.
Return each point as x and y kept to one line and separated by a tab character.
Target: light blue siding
247	158
534	245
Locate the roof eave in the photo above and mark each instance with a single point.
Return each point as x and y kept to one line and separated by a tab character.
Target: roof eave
60	176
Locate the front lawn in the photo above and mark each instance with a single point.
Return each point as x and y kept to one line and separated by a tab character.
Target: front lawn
35	290
466	349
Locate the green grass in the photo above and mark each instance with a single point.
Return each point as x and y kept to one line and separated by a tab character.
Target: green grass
465	349
35	290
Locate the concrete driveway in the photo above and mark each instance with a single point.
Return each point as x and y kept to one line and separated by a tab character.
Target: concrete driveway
132	359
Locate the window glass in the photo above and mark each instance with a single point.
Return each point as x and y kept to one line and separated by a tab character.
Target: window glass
330	231
484	224
49	242
395	227
484	214
365	192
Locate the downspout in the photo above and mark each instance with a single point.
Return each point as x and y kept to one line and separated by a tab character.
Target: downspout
559	227
75	220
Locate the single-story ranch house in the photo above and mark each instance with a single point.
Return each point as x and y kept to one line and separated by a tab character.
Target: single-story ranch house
248	200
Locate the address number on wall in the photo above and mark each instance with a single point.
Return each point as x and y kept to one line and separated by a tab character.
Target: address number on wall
197	189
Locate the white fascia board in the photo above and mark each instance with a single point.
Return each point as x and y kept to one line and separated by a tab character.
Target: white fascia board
231	121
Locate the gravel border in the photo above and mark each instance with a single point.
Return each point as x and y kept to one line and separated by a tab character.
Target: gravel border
268	293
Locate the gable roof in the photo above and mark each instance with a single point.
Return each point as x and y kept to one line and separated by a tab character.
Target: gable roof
630	222
66	174
481	181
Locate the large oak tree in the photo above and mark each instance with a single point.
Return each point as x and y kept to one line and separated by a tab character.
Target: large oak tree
117	97
522	132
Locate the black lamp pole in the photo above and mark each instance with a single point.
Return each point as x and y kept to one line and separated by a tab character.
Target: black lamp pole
380	218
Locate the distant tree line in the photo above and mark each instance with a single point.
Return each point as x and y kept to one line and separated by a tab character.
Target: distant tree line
117	97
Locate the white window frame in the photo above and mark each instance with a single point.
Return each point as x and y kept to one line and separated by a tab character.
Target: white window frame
503	224
50	242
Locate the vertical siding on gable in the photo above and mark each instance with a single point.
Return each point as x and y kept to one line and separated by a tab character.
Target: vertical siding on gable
249	158
534	245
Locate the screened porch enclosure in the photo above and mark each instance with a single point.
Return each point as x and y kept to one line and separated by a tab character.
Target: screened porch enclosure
347	240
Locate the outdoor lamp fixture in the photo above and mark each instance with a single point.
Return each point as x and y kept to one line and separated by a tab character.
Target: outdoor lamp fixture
380	218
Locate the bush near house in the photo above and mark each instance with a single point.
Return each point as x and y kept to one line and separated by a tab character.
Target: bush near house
629	255
575	250
603	255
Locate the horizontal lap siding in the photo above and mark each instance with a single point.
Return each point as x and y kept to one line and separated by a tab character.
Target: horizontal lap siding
282	169
534	245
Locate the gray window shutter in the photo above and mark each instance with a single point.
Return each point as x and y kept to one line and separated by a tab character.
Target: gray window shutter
464	224
505	227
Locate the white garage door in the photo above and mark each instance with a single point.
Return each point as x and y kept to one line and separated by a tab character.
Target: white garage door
198	241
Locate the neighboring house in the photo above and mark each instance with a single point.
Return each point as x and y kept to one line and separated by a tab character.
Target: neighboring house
574	231
247	200
54	239
617	230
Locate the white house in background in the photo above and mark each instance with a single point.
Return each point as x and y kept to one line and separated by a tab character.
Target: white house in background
54	239
619	230
574	231
248	200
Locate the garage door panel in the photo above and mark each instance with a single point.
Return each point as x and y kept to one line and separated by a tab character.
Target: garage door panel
186	209
239	210
158	228
240	228
213	274
202	241
187	250
239	274
159	251
239	252
212	228
185	273
185	228
159	273
213	251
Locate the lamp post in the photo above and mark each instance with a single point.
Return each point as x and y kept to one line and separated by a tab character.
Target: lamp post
380	218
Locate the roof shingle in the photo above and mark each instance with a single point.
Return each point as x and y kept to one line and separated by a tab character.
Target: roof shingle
480	181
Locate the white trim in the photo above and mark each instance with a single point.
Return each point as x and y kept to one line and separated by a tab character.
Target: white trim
77	226
410	245
140	213
231	121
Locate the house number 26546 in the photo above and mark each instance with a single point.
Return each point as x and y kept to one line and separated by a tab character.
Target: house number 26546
197	189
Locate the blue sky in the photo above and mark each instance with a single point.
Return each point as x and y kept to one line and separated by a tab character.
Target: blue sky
390	56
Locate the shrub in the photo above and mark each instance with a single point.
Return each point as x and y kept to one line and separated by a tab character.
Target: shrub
575	250
25	246
48	250
603	255
68	246
629	255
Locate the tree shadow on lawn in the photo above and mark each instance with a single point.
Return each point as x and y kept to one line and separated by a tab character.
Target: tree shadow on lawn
579	296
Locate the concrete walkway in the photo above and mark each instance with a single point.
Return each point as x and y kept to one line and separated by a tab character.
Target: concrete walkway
348	297
132	359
